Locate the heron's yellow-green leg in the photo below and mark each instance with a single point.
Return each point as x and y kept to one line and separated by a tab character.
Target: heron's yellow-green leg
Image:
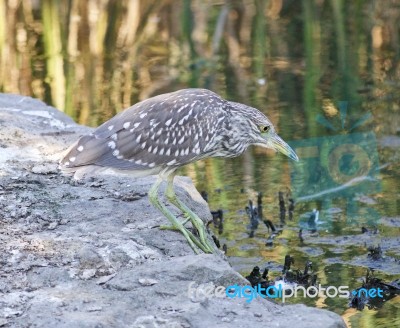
176	225
166	227
194	219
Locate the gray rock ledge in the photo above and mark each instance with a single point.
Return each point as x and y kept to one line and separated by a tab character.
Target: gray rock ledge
90	254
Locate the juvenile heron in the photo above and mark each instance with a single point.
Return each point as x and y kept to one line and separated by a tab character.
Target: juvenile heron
163	133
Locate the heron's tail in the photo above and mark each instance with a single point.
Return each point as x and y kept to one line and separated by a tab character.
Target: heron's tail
86	151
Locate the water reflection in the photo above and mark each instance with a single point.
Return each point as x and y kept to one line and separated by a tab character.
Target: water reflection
295	60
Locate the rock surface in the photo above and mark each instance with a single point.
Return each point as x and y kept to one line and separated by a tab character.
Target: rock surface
90	254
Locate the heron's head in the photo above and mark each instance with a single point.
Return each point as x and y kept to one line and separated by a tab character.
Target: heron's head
261	131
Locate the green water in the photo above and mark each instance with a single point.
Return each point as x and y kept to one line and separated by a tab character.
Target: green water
327	74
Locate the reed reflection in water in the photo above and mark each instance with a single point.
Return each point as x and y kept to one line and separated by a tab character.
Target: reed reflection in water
294	60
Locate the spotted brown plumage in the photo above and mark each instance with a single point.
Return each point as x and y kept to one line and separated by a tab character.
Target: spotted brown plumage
163	133
168	130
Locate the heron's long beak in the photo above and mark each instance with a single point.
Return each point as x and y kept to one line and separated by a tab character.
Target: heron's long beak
278	144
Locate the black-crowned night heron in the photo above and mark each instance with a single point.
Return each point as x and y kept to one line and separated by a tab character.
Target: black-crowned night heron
163	133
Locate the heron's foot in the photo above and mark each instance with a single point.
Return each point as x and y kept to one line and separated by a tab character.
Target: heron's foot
193	241
196	243
172	227
197	223
202	231
204	246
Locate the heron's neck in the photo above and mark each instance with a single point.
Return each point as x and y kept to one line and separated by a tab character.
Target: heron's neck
235	140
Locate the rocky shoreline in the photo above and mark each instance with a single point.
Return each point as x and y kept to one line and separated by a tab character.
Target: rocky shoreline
91	254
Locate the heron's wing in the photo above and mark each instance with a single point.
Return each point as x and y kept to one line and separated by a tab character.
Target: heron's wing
167	130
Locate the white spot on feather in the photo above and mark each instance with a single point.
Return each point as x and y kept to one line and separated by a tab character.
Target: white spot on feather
80	148
111	144
167	123
171	162
72	159
116	152
111	127
127	125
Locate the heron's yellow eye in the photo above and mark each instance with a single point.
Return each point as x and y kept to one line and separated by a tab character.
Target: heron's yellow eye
264	128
